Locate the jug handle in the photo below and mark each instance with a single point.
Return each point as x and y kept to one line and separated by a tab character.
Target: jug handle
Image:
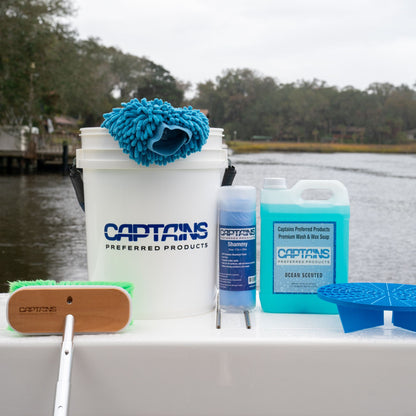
339	193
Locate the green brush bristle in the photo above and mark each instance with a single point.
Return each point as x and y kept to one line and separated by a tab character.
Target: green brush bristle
13	286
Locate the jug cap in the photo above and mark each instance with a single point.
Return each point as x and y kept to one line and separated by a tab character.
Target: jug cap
274	183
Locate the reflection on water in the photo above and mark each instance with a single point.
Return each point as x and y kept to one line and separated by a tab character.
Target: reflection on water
382	190
42	228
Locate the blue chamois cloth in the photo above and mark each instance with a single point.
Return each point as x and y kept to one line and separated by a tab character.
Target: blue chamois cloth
154	132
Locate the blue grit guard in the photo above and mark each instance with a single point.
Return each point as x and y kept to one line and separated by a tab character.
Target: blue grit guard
362	305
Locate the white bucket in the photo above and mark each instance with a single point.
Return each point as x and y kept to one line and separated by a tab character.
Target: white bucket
153	226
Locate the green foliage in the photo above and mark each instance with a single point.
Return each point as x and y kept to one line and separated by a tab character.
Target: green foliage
134	77
240	101
247	104
28	29
45	70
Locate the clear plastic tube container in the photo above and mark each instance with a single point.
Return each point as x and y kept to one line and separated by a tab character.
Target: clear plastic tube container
237	248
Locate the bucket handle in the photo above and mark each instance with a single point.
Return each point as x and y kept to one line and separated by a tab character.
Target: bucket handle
229	175
78	183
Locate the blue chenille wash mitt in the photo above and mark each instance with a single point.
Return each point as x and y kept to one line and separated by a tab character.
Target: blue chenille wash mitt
154	132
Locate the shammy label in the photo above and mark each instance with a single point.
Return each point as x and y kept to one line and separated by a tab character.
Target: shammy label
237	246
303	256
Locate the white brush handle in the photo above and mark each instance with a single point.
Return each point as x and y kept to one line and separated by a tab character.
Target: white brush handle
64	379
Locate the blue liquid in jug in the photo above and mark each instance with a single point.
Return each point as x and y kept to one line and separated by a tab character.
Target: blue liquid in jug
303	247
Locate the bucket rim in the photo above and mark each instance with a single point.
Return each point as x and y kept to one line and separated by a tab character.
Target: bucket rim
101	130
116	160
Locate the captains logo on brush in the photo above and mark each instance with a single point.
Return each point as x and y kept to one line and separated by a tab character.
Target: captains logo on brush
154	132
37	309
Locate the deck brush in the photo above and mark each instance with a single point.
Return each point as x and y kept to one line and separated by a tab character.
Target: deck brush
68	308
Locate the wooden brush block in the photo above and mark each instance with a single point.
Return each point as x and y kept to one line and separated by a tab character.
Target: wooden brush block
42	310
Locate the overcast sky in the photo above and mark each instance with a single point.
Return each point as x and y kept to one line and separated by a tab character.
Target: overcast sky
342	42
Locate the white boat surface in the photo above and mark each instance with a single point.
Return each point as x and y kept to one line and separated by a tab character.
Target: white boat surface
286	364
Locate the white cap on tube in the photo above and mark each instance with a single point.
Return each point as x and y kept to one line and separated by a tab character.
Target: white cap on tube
237	198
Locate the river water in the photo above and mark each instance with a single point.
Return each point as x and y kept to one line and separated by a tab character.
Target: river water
42	228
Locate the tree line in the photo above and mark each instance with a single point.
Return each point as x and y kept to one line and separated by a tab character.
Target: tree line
249	105
46	70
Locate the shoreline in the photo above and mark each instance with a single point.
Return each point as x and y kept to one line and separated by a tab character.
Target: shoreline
246	146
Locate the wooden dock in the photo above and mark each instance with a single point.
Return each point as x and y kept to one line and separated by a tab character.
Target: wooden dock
24	155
